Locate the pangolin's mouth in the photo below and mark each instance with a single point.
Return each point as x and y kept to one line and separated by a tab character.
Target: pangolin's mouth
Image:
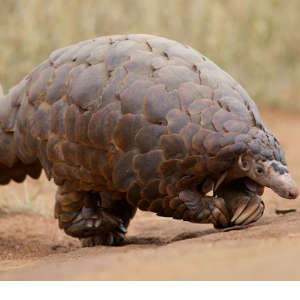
253	187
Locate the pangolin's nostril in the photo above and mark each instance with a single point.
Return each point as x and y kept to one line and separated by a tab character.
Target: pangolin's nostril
293	194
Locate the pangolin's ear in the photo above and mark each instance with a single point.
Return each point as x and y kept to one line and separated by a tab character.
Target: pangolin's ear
244	162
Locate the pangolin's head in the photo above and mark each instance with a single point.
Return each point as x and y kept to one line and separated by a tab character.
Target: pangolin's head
270	173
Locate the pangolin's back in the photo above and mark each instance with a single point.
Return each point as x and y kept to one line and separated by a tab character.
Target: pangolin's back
130	113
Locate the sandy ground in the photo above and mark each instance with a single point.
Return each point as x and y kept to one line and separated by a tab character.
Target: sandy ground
33	248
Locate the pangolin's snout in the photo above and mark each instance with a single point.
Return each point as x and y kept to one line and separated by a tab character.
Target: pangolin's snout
286	187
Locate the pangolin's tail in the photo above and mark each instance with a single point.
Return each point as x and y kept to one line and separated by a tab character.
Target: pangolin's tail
11	167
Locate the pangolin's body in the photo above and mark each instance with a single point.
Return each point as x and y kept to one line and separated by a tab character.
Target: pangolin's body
130	121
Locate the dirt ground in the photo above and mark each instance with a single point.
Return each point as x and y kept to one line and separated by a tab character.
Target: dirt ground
33	248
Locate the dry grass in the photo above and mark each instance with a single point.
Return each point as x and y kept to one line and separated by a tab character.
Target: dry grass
31	196
256	41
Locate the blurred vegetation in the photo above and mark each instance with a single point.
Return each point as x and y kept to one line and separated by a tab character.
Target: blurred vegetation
30	197
257	42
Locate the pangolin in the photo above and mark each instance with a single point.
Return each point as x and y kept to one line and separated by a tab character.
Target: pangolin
139	121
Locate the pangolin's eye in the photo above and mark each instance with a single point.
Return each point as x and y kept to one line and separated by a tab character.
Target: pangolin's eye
260	171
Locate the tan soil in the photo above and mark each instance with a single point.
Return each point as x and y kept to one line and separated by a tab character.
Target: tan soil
33	248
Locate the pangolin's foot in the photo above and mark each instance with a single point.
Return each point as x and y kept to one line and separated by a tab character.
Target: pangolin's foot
81	215
112	238
97	228
244	207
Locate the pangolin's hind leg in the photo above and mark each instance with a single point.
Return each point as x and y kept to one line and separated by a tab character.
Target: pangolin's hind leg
115	205
84	215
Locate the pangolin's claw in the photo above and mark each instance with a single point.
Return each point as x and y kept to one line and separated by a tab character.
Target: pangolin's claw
238	212
89	223
97	223
122	228
221	205
248	212
220	219
256	214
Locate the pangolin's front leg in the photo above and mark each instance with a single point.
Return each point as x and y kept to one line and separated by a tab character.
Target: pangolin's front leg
190	206
243	205
232	205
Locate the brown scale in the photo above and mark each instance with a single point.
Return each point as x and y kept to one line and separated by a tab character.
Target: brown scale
86	86
148	137
176	120
96	126
158	102
132	98
126	122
